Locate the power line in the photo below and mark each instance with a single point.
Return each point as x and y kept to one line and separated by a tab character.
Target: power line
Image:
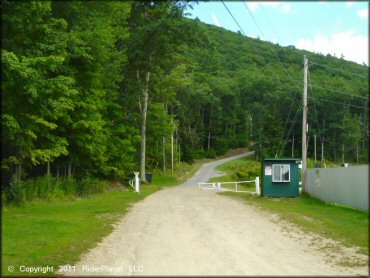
314	106
340	92
355	74
341	103
259	52
268	43
294	121
274	30
278	59
291	126
286	122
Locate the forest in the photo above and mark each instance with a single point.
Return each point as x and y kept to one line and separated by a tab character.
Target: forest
97	90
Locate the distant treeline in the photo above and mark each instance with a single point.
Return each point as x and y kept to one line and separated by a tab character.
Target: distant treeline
92	89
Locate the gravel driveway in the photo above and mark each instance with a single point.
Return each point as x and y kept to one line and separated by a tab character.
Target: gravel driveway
186	231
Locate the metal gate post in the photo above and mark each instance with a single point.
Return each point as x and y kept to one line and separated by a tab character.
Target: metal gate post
258	191
137	182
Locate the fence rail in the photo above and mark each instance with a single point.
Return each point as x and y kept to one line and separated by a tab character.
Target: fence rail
217	186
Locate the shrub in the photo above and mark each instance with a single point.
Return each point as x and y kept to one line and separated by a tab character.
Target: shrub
210	154
15	192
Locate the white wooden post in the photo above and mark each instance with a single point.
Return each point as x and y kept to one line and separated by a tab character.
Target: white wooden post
258	191
137	182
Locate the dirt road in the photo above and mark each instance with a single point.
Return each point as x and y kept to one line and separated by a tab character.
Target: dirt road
187	231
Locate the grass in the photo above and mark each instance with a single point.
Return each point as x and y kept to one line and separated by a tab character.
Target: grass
346	225
56	232
243	169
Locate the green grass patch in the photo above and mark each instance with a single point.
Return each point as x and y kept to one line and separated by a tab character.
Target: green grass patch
47	231
54	232
243	169
346	225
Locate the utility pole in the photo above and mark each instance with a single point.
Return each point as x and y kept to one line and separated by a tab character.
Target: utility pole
172	153
304	126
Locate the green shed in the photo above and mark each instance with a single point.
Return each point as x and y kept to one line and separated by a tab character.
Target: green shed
280	177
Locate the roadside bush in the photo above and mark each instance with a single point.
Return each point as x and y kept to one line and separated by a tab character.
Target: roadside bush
50	188
244	169
15	193
210	154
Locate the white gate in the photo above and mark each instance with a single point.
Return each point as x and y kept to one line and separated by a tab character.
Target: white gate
233	186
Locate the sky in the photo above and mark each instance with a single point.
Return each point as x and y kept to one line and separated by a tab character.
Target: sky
327	27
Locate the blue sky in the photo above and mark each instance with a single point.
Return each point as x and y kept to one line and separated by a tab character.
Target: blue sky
321	26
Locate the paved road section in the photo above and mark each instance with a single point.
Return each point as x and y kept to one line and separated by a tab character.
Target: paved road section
187	231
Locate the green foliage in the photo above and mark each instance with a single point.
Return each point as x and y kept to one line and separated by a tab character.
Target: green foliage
240	170
71	98
50	188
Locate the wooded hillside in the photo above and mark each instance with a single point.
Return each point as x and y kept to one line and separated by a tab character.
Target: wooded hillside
96	88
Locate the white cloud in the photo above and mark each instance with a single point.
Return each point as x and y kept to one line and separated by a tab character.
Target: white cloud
353	46
363	13
215	19
286	8
350	3
254	5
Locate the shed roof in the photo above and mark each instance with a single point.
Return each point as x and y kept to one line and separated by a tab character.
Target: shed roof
282	159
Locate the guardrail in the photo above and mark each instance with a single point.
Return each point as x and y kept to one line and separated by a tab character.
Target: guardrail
217	186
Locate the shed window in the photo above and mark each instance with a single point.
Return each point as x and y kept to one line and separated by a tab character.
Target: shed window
281	173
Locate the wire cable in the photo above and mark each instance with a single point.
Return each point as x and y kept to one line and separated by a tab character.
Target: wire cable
341	103
275	32
340	92
314	106
259	52
291	128
268	43
355	74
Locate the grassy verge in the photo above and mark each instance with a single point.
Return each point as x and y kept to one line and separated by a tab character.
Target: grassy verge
56	232
346	225
243	169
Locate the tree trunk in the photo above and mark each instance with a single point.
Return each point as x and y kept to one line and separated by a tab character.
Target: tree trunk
342	153
164	154
144	88
18	168
18	172
58	169
179	152
209	129
69	170
172	166
48	168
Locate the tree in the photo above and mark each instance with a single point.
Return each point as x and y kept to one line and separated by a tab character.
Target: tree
155	41
36	93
